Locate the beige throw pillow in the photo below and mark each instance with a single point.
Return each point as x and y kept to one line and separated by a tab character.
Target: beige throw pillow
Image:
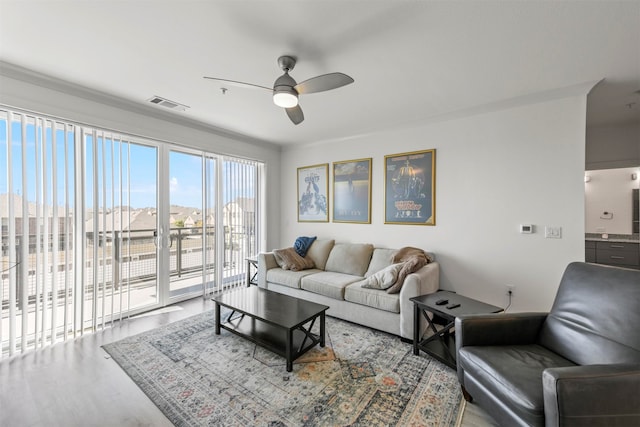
288	259
412	259
384	278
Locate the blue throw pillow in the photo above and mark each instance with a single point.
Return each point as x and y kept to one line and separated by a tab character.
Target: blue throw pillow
303	244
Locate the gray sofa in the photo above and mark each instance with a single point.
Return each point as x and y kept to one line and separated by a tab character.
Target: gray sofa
578	365
336	281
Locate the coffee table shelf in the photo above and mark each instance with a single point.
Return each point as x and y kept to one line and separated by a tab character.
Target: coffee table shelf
270	337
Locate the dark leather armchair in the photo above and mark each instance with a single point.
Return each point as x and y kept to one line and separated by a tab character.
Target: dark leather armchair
578	365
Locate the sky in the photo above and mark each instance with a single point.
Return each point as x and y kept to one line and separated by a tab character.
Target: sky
131	167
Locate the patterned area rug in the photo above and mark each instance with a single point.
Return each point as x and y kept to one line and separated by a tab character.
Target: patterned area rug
361	378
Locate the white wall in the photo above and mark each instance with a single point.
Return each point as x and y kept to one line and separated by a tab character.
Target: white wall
494	171
611	147
59	99
610	190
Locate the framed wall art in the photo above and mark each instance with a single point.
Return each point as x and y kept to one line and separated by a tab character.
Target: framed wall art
410	188
352	191
313	190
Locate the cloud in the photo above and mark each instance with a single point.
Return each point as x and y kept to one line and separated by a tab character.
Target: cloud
173	184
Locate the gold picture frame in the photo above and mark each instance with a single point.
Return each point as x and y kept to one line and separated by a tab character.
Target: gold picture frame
410	188
352	191
313	193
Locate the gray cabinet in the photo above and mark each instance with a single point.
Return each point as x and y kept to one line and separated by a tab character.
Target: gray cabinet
590	251
622	254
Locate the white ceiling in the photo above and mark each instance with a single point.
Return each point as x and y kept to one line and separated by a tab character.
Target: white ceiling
412	61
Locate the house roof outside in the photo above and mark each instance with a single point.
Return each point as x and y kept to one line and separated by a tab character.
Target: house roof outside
245	203
17	207
126	218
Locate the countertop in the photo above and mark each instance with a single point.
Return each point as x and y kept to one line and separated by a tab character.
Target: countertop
616	239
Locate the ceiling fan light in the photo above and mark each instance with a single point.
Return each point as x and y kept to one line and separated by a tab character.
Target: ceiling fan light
285	98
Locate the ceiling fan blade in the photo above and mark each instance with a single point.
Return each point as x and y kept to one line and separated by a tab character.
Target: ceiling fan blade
240	84
323	82
295	114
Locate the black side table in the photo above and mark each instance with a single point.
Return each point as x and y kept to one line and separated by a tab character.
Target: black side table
442	345
252	262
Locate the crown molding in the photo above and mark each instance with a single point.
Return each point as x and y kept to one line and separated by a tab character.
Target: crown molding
26	75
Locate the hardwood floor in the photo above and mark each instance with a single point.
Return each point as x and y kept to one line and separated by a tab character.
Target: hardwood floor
474	416
76	383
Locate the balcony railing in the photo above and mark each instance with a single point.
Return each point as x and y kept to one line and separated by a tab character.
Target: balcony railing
115	258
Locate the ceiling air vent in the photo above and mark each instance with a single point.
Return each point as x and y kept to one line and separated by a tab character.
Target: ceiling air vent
171	105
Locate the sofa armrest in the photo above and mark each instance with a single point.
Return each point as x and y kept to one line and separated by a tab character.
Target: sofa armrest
498	329
423	282
266	261
605	395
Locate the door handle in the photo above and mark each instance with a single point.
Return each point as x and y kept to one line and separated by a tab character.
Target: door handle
169	241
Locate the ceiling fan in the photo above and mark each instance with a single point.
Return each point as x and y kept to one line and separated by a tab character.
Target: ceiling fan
285	89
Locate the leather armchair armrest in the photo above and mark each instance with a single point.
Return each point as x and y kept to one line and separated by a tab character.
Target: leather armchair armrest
599	395
498	329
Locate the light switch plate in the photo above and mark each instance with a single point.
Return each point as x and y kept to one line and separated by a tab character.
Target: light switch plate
553	232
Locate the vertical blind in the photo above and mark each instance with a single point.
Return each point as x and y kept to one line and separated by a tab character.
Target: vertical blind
240	179
60	182
237	239
67	245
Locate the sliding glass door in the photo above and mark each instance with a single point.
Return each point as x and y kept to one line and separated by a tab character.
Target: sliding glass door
203	236
134	227
191	228
98	225
78	210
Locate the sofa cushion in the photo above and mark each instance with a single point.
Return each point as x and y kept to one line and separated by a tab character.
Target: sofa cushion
513	374
328	283
287	277
350	258
375	298
319	252
384	278
380	259
288	259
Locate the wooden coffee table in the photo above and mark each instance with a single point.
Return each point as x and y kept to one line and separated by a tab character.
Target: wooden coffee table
272	320
442	345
